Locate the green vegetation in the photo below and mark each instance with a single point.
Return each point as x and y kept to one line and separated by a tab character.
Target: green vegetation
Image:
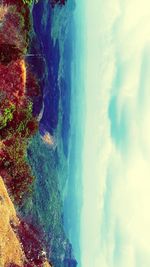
6	116
30	2
46	203
17	125
52	2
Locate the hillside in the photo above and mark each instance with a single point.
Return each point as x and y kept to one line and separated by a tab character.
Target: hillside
11	249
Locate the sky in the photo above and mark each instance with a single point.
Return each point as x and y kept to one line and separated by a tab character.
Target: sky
115	216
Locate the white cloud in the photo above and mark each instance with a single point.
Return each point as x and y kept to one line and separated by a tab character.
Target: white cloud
117	186
100	71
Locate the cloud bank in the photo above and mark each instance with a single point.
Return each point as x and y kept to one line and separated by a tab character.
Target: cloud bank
116	170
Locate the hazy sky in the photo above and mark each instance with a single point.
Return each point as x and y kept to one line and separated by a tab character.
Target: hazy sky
116	171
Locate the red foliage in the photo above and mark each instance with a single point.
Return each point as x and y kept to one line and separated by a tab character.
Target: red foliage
17	177
9	53
11	81
16	25
22	9
21	125
32	245
32	86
